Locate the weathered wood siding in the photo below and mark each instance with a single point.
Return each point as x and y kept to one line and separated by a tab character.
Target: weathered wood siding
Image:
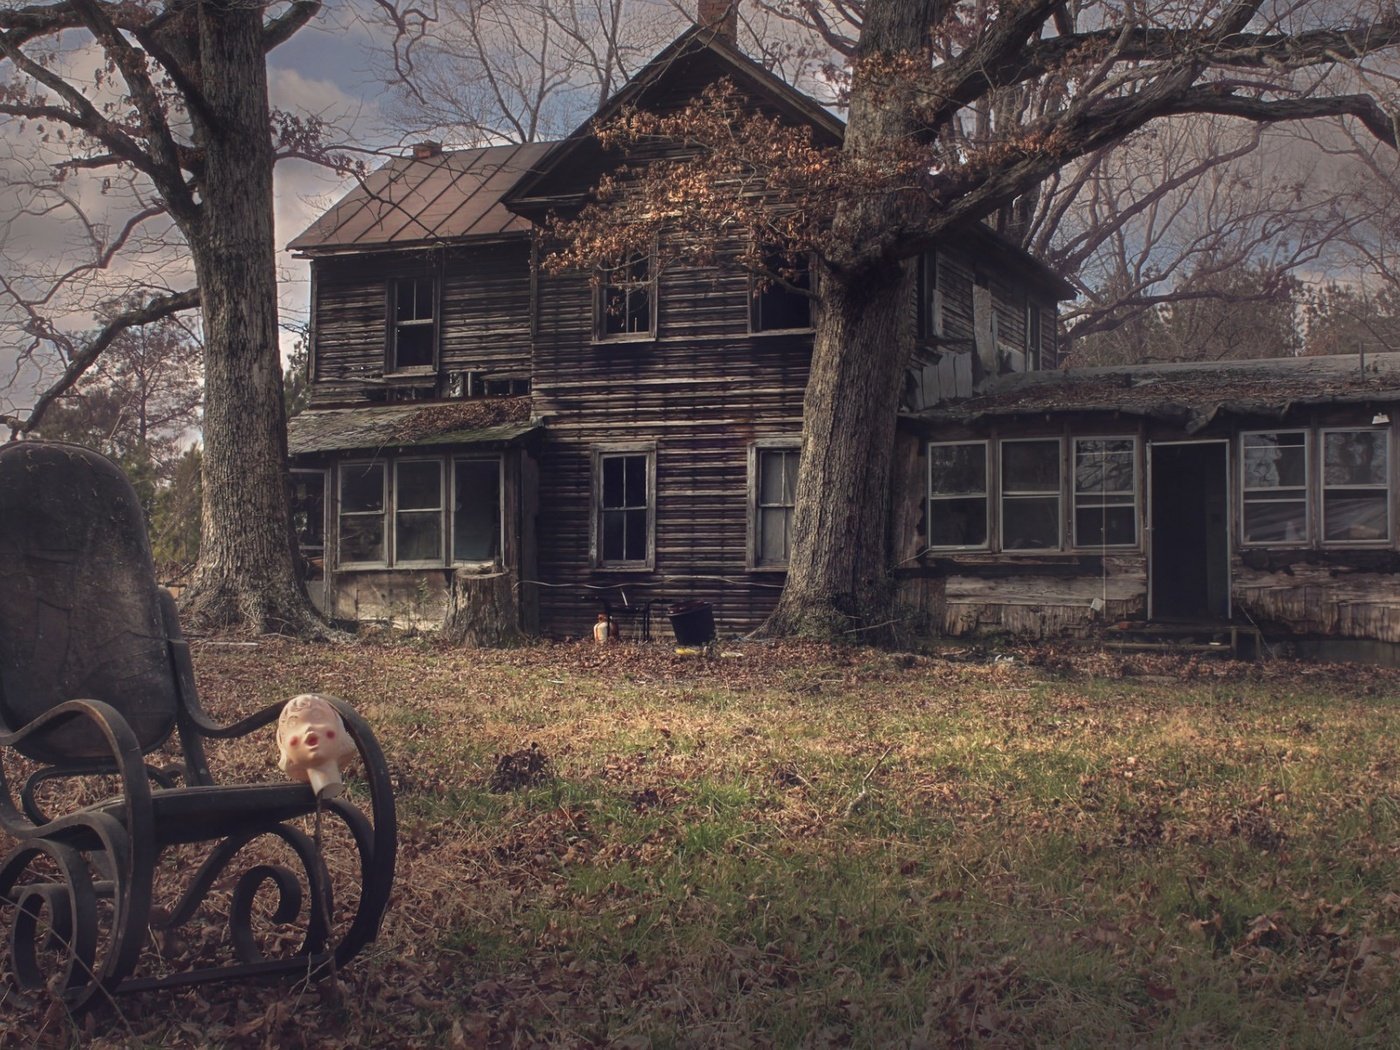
483	321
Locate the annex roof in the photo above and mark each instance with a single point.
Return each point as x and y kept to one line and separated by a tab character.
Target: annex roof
416	201
1191	393
499	421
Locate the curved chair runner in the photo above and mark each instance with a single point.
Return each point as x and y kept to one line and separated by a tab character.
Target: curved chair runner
94	676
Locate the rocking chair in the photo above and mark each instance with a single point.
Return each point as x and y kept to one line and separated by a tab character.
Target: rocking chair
95	676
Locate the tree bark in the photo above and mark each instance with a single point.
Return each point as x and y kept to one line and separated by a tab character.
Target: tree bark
839	584
245	576
482	610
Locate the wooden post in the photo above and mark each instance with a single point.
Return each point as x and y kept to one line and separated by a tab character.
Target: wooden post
483	609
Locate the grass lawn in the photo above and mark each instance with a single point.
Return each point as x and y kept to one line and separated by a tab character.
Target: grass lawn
796	846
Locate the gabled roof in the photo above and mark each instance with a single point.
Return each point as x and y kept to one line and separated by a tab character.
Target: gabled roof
1191	393
700	55
412	202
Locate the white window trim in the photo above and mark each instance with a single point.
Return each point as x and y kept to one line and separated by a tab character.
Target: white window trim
340	512
595	538
1323	487
1136	543
985	495
391	365
450	527
1058	493
1308	470
430	563
755	448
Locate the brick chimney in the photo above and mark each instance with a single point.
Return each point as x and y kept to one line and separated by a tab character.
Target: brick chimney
720	15
424	150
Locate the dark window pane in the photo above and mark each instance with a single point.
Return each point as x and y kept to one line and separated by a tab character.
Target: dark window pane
778	306
362	488
1030	466
613	491
413	345
958	523
636	473
1113	525
362	538
1275	461
1279	521
418	537
476	513
614	535
1356	516
309	509
636	545
1030	523
420	485
955	469
1355	457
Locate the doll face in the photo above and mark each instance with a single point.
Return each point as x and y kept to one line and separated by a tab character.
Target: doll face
310	733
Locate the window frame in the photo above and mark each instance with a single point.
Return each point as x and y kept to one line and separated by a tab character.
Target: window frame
929	296
1323	487
1035	327
450	529
756	294
1309	469
597	455
985	495
382	513
1136	491
391	350
395	511
600	298
1058	493
755	536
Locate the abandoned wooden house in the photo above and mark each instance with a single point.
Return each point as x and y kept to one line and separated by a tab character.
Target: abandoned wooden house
632	441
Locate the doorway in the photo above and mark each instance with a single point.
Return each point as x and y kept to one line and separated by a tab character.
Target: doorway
1190	557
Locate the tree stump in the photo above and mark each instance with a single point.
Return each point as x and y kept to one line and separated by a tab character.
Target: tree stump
483	609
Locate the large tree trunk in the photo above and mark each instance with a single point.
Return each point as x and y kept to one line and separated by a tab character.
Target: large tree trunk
839	584
245	576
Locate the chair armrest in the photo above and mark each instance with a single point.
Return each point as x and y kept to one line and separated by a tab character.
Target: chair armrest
128	763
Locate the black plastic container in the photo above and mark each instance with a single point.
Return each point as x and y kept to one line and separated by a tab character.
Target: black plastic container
693	622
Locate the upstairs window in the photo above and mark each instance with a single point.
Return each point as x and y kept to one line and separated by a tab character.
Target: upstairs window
1355	486
413	335
957	486
773	474
782	301
1275	488
1105	492
626	302
623	516
1030	494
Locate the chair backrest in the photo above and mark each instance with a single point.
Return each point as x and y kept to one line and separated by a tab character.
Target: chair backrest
80	614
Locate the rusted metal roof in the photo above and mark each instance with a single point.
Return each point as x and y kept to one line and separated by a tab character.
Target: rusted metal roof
477	422
413	201
1191	393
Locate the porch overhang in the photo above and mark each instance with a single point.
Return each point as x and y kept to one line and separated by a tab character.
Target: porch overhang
383	428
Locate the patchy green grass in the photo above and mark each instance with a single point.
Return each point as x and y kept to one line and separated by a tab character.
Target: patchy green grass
800	846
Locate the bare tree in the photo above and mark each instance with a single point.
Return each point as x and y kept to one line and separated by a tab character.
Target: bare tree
166	100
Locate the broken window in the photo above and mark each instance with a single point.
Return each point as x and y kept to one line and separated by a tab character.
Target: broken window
1030	494
414	332
782	301
476	510
362	502
623	499
626	302
1355	486
1105	492
1275	486
418	512
957	486
774	497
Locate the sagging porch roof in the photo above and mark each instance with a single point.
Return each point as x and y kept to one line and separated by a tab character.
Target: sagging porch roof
1191	394
495	421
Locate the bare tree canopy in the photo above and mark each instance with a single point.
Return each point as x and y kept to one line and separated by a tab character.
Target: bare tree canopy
956	110
166	103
